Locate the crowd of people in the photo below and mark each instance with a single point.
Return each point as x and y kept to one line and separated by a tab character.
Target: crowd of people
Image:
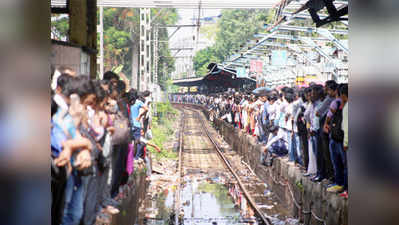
310	125
99	134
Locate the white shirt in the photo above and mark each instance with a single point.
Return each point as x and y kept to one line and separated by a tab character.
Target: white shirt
273	138
60	102
289	111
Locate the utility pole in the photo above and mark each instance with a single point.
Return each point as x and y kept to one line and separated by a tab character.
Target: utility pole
145	50
155	62
101	42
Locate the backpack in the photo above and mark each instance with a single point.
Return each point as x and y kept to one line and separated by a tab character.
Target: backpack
336	132
122	130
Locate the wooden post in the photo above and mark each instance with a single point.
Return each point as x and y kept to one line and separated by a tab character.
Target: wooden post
83	29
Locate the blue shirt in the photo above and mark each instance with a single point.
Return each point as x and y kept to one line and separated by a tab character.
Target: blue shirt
57	133
65	122
57	136
134	113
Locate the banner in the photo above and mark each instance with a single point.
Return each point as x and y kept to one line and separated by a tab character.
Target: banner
259	66
241	72
256	66
252	67
279	57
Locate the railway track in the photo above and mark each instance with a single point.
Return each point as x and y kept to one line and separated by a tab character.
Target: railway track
200	153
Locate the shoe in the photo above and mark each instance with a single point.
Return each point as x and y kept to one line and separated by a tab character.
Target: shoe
330	185
317	179
335	189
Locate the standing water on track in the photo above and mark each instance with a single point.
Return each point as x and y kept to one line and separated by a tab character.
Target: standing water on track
204	199
209	192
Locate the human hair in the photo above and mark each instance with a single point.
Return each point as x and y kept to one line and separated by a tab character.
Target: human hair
343	89
308	90
289	97
318	90
63	80
146	93
52	71
120	87
331	84
104	82
132	96
301	94
140	96
99	91
284	89
289	90
109	75
54	106
80	85
273	97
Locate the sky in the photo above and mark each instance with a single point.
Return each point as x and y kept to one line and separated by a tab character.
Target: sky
186	17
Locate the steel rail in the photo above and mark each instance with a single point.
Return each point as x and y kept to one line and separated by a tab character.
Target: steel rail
181	142
264	219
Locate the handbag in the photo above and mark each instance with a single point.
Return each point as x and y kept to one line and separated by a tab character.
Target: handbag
148	134
122	131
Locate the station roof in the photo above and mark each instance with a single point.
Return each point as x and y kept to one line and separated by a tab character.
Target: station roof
189	82
220	77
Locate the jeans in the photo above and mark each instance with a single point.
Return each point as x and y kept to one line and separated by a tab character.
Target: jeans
74	199
338	157
91	199
140	151
293	143
136	133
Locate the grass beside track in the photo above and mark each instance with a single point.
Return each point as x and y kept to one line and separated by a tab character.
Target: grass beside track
163	128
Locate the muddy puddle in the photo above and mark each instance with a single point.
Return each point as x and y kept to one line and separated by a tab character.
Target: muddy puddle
205	200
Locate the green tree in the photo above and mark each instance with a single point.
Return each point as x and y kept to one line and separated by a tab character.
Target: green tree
122	37
234	28
202	59
60	26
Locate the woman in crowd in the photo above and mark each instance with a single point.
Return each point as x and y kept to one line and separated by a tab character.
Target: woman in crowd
88	148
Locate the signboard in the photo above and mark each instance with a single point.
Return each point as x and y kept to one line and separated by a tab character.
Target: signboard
279	57
241	72
256	66
252	67
194	89
259	66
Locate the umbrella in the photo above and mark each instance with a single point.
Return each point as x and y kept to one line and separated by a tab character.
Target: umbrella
261	90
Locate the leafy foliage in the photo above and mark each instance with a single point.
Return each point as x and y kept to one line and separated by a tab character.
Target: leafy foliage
234	28
162	129
122	34
60	26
